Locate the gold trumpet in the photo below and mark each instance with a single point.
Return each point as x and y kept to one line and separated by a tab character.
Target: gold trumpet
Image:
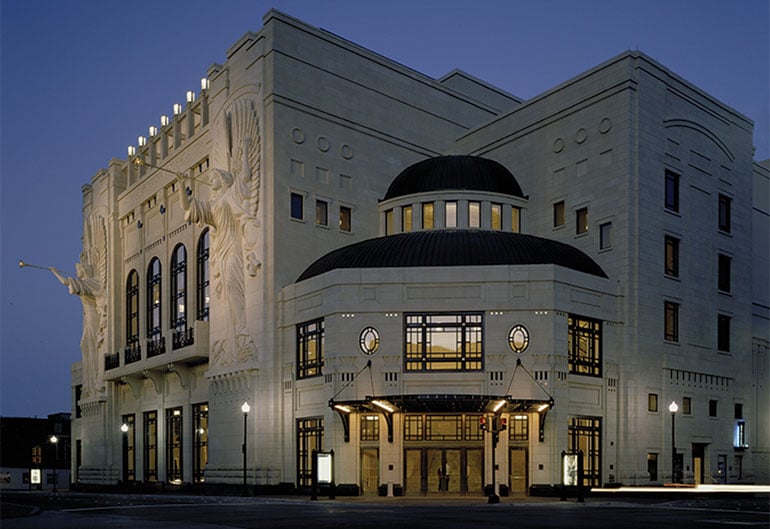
22	264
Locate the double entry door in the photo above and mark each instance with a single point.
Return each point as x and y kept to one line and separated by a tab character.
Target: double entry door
431	471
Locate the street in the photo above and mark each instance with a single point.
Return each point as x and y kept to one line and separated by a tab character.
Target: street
87	511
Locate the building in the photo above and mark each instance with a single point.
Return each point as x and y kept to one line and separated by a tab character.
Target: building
395	267
31	446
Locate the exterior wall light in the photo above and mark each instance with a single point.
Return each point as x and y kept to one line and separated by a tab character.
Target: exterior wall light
190	96
204	83
177	109
163	120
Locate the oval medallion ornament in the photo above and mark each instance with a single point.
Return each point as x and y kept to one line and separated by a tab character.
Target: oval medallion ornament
518	339
369	340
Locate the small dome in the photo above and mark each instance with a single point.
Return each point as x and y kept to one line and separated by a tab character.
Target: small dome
454	248
454	172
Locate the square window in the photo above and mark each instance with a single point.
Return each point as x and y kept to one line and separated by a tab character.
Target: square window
723	333
652	402
671	267
723	281
297	206
672	191
581	221
389	222
321	213
427	216
558	214
605	236
686	406
474	214
406	219
345	218
725	204
497	217
450	214
671	323
712	408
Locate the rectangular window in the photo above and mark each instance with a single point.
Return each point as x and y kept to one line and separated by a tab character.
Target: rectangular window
310	340
200	440
585	434
321	213
723	333
724	265
174	446
427	215
450	427
672	191
346	215
712	408
515	220
605	236
150	446
518	428
370	427
406	219
738	410
671	321
652	402
474	214
450	214
297	206
584	346
558	214
581	221
129	448
652	466
444	342
686	406
310	434
496	221
390	224
671	267
725	204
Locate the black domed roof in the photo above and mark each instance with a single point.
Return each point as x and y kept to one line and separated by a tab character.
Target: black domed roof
453	248
455	172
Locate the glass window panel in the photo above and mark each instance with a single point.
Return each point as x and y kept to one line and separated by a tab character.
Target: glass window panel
497	217
450	214
474	214
427	216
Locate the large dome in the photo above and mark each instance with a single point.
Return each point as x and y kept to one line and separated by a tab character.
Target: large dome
453	248
454	172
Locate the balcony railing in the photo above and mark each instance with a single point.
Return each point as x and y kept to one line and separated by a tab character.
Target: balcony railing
156	346
111	361
132	353
182	338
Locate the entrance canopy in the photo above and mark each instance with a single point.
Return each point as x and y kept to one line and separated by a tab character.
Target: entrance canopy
438	403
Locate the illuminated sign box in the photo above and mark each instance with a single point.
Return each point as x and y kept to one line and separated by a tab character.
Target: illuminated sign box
35	476
324	464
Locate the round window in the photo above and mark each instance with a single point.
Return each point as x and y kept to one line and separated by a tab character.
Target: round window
369	340
518	339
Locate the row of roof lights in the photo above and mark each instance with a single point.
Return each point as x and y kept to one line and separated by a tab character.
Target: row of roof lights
164	119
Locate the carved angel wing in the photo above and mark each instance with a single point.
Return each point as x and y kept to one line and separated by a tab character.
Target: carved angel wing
95	248
245	161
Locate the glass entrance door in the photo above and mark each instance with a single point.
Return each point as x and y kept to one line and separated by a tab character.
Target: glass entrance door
443	470
370	464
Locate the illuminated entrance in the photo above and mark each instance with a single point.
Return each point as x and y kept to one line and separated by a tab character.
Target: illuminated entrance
431	471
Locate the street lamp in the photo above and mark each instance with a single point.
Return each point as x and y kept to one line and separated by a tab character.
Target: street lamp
245	409
124	429
53	440
673	408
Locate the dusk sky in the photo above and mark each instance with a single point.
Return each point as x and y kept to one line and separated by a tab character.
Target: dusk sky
81	79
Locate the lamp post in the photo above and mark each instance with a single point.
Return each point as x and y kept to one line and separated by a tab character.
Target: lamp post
245	409
673	408
124	429
53	440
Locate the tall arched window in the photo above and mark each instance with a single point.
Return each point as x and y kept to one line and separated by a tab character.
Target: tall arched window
155	343
132	351
182	335
202	279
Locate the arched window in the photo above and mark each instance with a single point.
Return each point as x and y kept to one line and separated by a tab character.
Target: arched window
132	351
179	288
182	334
155	344
202	282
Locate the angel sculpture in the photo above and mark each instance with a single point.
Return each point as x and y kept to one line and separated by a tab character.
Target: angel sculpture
89	285
231	213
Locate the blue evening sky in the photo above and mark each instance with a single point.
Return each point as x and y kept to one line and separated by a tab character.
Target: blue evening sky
81	79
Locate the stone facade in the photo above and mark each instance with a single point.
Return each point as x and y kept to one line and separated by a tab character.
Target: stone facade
194	243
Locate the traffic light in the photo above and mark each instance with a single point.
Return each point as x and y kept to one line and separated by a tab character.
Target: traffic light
483	423
503	424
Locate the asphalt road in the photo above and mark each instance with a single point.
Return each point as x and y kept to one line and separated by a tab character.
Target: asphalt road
92	511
